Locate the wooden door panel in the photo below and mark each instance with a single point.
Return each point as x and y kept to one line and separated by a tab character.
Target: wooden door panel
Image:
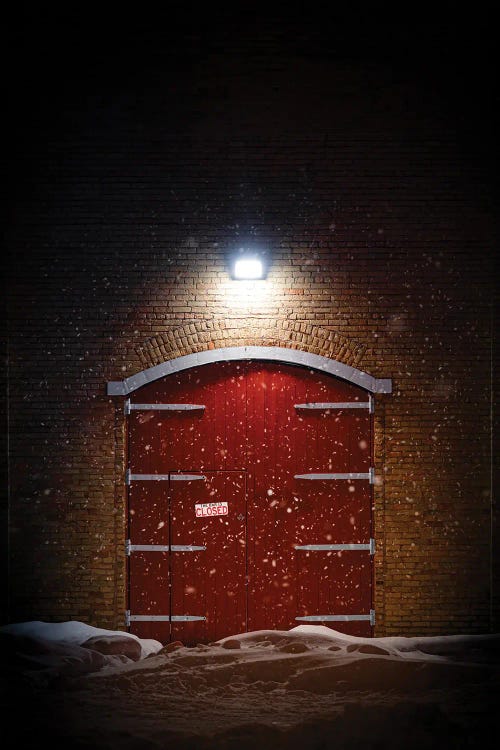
333	511
270	392
332	582
148	512
331	441
213	437
270	558
212	582
335	439
335	583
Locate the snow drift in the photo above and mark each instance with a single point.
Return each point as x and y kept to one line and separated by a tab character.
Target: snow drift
310	687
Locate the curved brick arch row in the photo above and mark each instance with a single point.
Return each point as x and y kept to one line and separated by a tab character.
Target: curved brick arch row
199	336
205	342
203	335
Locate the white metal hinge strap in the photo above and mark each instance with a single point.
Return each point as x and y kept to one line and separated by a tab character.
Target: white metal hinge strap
165	407
148	618
339	618
328	547
371	402
335	405
160	618
186	618
350	475
162	547
161	477
145	547
372	476
186	477
147	477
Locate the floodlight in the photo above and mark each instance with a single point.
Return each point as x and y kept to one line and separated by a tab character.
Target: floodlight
248	267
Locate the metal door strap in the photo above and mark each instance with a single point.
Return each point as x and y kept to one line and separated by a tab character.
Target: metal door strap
351	475
162	477
339	618
161	407
326	547
161	547
335	405
160	618
186	477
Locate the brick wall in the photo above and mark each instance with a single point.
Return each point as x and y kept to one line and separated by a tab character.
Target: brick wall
376	212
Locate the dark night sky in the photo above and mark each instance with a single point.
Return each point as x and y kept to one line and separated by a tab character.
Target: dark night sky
59	62
55	55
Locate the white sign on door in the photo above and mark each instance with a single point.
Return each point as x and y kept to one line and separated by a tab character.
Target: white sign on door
208	510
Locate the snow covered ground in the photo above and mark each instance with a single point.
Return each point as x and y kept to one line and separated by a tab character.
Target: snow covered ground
311	688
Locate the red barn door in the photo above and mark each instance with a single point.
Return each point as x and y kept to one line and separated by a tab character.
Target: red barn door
250	495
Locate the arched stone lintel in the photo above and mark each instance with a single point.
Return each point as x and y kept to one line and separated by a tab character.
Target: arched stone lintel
265	353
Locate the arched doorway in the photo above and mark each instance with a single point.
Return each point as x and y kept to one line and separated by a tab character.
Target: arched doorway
249	502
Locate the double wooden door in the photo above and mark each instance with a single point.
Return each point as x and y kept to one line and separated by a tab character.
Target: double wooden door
249	503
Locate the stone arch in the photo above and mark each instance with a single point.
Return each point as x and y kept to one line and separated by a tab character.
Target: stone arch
204	342
200	335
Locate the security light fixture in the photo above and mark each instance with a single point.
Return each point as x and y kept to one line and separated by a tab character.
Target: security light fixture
248	266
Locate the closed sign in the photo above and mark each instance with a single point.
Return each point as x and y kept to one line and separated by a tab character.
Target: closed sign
204	510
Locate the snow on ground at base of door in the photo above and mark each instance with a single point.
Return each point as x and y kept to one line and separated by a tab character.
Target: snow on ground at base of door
73	632
309	687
